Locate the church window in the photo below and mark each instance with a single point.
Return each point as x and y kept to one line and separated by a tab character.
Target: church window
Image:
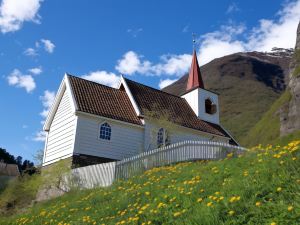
105	131
163	138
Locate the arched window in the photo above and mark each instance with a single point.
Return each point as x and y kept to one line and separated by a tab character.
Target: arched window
162	138
210	107
105	131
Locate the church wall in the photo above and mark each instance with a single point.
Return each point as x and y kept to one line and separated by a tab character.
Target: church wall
126	140
176	134
60	138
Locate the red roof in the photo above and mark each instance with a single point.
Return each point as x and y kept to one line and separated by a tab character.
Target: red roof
176	108
195	78
101	100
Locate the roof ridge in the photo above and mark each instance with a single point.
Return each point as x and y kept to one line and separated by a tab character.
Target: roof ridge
153	88
70	75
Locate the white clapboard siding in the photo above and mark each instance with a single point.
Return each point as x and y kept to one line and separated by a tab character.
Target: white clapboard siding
105	174
176	134
126	140
62	131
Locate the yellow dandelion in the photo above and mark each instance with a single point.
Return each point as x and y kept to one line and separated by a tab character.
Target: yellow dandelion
147	193
273	223
176	214
199	200
258	203
290	208
279	189
209	204
231	212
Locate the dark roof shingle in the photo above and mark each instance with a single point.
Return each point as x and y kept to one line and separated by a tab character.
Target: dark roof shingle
177	108
101	100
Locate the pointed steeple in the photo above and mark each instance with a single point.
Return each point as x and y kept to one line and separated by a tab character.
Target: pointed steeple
195	78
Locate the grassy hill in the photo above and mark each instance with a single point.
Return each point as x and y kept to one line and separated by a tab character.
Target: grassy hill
267	130
260	187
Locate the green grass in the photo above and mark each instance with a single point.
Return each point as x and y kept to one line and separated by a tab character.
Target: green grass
260	187
243	104
267	130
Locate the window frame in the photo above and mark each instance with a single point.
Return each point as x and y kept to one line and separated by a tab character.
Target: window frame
110	131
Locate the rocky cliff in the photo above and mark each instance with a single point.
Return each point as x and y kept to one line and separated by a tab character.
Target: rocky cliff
290	112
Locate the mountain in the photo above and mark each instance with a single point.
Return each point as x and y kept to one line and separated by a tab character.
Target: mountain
281	122
248	84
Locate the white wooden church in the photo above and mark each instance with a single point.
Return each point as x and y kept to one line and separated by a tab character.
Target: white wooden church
92	123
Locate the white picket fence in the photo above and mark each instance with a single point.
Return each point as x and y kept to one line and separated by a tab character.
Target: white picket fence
102	175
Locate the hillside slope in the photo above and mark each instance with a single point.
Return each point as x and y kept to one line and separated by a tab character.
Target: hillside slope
259	187
248	84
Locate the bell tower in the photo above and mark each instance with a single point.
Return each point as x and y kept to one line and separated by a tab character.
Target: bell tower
204	103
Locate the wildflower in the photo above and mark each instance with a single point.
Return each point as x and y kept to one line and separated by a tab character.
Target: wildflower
231	212
273	223
217	193
279	189
209	204
294	158
258	203
177	214
199	200
147	193
290	208
160	205
202	190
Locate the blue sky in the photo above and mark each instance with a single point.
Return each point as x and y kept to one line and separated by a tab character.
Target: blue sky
148	41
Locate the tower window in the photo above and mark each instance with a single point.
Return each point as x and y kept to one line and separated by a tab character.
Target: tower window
210	107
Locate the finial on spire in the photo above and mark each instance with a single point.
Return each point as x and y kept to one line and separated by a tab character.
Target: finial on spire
194	41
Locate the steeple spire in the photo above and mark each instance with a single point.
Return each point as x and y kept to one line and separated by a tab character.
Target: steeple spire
195	78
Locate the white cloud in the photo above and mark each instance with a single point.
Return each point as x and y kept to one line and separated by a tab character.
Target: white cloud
280	32
186	28
134	32
36	70
173	65
233	7
166	82
48	45
47	101
277	33
16	78
30	52
103	77
13	13
132	63
40	136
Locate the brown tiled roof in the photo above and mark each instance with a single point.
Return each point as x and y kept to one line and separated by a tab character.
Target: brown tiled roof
101	100
177	109
9	169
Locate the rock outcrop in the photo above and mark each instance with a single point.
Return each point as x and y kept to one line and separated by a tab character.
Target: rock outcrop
290	112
